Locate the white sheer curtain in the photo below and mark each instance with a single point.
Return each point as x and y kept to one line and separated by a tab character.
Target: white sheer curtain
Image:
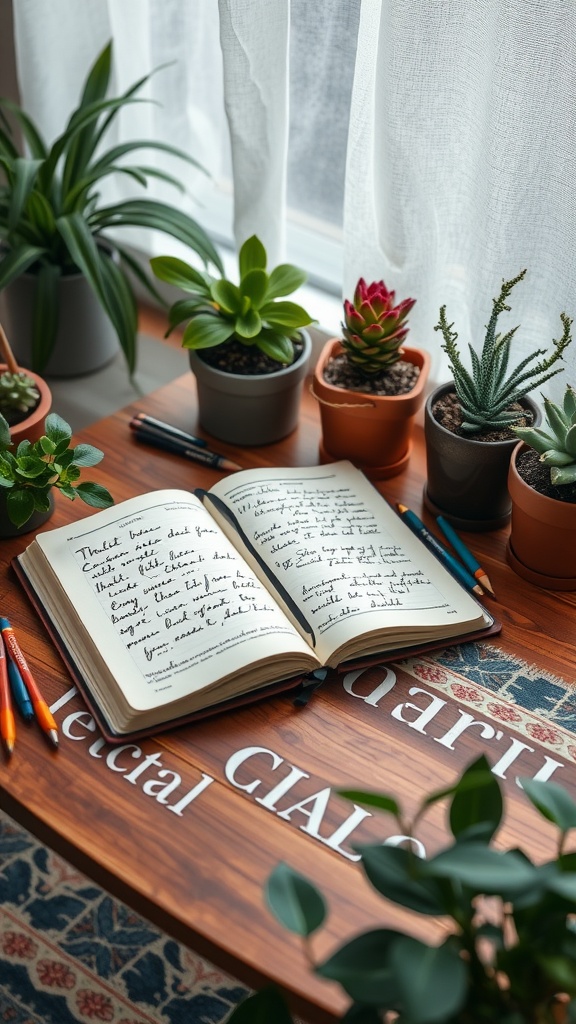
456	151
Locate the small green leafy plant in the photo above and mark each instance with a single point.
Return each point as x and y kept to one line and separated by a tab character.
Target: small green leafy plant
219	310
487	390
29	474
557	448
374	327
53	220
509	955
18	395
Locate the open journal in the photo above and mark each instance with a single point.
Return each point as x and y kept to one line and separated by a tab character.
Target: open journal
173	602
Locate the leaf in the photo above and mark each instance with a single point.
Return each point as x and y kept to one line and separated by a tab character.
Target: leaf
249	325
17	261
25	172
181	275
45	316
120	304
206	331
5	439
397	874
432	980
553	802
477	800
484	870
19	505
276	345
254	284
94	494
295	901
57	429
264	1007
86	455
284	280
227	295
252	256
285	314
379	800
362	967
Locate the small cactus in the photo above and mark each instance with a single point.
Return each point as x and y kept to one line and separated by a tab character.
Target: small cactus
487	392
374	327
558	448
18	395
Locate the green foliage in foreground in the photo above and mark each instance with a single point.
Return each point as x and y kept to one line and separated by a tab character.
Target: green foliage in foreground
29	475
509	955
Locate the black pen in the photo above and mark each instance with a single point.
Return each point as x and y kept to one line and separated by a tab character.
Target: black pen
201	455
142	419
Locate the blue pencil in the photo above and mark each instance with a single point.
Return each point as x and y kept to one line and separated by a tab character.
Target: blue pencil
434	545
19	691
470	561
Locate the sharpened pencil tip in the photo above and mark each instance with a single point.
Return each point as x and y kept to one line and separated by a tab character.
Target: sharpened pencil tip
478	590
9	747
53	736
228	464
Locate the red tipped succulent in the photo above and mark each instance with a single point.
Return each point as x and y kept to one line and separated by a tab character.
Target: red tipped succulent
374	327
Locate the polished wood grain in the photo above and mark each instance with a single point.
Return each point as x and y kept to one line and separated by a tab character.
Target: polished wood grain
200	874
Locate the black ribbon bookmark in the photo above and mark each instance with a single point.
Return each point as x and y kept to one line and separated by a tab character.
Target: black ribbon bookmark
281	590
309	685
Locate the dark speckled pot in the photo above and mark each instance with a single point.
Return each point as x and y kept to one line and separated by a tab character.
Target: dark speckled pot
467	481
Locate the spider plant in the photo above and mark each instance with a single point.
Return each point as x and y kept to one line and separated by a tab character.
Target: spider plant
53	221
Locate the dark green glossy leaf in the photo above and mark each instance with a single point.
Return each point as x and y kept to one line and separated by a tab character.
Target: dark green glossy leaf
227	295
19	505
295	901
397	874
36	144
57	429
206	331
285	314
265	1007
120	304
477	800
362	967
432	980
181	275
367	799
254	284
86	455
284	280
183	310
483	869
94	494
17	261
45	316
25	172
31	466
249	325
252	256
276	345
5	439
553	802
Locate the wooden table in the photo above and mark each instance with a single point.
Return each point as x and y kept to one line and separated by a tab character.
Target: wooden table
196	865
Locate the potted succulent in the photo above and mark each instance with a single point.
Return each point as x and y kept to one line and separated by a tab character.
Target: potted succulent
64	277
542	484
468	421
29	475
508	949
25	398
369	385
248	350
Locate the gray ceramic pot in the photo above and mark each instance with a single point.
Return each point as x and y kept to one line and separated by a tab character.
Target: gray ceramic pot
37	519
467	481
250	409
86	340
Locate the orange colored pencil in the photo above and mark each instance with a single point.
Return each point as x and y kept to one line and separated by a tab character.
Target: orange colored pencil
7	721
41	709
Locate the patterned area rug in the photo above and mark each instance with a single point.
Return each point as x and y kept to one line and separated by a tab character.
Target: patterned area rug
71	954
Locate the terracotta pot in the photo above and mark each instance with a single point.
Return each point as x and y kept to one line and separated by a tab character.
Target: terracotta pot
372	431
467	480
32	427
542	544
86	339
250	409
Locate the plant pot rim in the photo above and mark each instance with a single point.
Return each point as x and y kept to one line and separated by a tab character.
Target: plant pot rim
346	396
276	375
446	388
19	430
549	509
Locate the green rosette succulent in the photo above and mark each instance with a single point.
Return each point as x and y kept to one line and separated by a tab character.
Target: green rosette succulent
18	395
217	310
487	391
557	448
374	327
